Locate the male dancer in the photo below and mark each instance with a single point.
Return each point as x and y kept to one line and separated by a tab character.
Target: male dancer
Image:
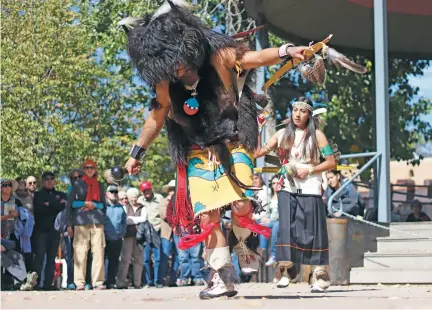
203	96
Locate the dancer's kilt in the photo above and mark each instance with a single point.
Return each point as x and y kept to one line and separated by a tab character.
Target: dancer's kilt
209	186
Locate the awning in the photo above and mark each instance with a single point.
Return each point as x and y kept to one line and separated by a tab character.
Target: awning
351	23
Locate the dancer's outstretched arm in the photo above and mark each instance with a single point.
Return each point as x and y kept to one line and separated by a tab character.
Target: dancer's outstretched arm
152	126
254	59
271	56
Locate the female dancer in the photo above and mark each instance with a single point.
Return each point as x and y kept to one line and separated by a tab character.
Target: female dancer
302	215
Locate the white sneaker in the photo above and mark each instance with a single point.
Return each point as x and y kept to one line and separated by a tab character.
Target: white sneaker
248	259
271	261
218	289
283	282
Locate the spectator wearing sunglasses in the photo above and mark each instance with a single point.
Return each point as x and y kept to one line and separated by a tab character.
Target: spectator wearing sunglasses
9	207
123	200
74	176
48	203
31	184
85	212
115	229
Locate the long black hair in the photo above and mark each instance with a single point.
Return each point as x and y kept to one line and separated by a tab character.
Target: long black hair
311	127
271	184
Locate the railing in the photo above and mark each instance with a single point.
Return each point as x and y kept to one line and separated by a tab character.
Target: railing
340	189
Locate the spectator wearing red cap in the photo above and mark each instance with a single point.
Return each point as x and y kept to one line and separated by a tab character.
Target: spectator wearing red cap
152	203
85	211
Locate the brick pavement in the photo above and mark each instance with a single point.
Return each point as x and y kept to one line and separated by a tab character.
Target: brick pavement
251	296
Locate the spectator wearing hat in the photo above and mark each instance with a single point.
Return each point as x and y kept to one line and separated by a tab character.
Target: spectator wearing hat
48	203
136	214
152	202
9	207
115	229
166	234
85	211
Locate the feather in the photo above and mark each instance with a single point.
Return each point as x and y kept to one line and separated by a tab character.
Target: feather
315	73
245	34
339	60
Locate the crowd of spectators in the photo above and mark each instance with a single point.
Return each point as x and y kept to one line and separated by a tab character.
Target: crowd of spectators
89	237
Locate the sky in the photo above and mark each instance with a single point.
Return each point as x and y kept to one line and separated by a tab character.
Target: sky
425	84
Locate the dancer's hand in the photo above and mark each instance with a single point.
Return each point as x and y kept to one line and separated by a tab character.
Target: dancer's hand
302	173
133	166
337	214
297	51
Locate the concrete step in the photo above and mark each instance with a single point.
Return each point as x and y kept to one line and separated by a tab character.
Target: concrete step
412	225
398	260
390	276
411	230
389	245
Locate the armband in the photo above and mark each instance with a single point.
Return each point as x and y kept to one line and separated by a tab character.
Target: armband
326	151
137	152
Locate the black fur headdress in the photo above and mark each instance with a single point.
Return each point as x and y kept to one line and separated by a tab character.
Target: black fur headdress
158	45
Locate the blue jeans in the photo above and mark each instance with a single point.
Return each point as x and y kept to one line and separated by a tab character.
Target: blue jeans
67	247
166	251
147	264
274	225
189	261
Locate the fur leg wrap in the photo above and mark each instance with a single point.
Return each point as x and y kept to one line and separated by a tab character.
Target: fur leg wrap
228	275
321	276
219	260
288	269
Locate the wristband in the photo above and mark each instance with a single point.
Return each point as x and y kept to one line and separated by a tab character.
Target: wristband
137	152
311	170
283	50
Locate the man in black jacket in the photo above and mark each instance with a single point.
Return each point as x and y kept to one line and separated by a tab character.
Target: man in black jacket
47	204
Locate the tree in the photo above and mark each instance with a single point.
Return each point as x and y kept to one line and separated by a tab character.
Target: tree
351	116
69	92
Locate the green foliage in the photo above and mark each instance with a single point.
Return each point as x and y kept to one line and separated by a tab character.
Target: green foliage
69	92
351	116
